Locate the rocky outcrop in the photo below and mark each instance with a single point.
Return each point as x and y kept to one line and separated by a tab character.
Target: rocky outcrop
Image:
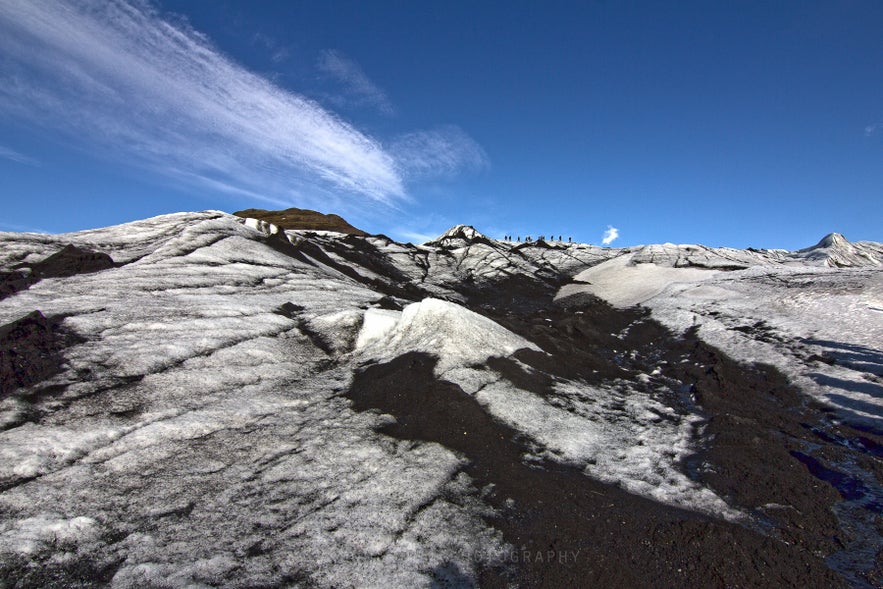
302	219
69	261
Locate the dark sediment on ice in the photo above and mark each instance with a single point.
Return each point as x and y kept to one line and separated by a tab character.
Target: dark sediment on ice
13	282
76	571
69	261
362	254
773	450
391	282
30	351
756	422
567	529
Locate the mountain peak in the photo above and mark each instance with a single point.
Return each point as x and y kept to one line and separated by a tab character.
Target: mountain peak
834	250
462	231
832	240
460	235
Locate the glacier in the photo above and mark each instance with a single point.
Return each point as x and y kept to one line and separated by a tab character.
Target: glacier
199	409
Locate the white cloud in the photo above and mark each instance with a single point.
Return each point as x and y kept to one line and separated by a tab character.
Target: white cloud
440	152
415	237
4	226
359	89
871	129
119	75
19	158
610	235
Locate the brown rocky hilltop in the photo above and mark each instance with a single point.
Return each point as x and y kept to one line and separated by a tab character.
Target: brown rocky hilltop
294	218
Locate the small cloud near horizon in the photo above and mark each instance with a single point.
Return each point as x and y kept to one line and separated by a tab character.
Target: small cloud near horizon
610	235
17	228
415	237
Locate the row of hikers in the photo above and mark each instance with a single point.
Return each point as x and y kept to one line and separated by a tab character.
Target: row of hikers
528	239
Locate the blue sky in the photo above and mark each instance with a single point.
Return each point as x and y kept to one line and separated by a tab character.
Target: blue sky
725	123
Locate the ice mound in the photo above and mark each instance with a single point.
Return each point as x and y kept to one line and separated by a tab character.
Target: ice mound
457	336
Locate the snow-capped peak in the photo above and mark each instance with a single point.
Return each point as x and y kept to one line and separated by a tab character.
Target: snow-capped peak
458	236
835	240
834	250
463	231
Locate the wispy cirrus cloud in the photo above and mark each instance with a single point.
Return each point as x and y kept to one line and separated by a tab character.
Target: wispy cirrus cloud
611	235
358	88
278	53
438	153
120	75
19	158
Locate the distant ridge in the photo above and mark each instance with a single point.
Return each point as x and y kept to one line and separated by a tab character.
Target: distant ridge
306	219
835	251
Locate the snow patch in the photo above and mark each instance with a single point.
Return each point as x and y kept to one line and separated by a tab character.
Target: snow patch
31	535
376	324
262	226
624	284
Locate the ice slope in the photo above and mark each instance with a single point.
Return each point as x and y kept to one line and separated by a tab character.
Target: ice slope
623	282
630	445
200	437
778	313
816	315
